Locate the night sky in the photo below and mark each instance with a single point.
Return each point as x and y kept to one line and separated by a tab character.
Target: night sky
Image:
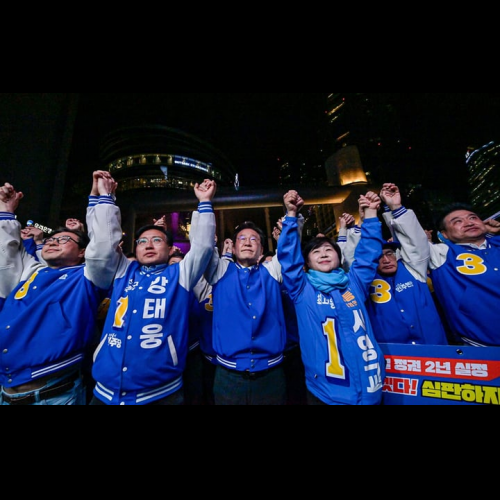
251	129
255	129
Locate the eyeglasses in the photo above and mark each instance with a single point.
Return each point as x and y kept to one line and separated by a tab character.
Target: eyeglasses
155	241
61	240
389	254
244	239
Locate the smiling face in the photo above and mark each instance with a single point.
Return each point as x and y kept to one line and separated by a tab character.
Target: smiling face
152	248
248	248
463	226
324	259
75	225
62	250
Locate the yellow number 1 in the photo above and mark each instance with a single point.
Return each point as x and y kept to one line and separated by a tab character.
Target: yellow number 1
334	369
121	312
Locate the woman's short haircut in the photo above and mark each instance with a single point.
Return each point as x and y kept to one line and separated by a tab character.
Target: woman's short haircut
317	243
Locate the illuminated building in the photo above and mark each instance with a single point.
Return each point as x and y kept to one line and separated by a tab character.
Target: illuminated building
484	178
146	160
150	157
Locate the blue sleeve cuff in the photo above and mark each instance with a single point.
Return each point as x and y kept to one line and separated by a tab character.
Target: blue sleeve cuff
7	216
342	239
93	201
386	208
107	200
399	212
206	208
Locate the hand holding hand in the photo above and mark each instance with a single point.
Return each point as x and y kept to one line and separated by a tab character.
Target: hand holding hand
391	196
206	191
293	203
347	221
9	198
107	186
369	205
96	176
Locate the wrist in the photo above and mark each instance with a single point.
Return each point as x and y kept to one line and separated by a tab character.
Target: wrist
393	207
370	214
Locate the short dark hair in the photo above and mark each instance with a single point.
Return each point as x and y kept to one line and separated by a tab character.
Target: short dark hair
318	242
449	209
82	238
266	256
152	227
178	254
253	227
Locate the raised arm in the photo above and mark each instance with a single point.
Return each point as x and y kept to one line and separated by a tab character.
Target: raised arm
202	237
369	249
405	228
104	260
16	265
289	247
348	240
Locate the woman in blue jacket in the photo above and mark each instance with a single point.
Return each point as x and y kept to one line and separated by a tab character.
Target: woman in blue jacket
344	364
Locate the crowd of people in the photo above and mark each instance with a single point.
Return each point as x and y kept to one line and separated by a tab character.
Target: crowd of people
81	323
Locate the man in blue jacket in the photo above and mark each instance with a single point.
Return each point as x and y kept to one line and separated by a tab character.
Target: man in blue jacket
465	270
47	313
144	346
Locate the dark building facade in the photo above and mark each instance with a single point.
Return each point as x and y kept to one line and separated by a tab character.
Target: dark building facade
370	122
36	133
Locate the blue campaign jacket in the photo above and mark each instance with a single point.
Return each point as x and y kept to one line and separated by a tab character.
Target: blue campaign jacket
142	354
402	311
201	316
468	286
344	364
249	325
47	316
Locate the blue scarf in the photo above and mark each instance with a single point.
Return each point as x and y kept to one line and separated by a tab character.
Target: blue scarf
153	269
327	283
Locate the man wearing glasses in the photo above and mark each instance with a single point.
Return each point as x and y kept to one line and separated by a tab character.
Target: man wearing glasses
465	267
144	346
401	306
47	313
